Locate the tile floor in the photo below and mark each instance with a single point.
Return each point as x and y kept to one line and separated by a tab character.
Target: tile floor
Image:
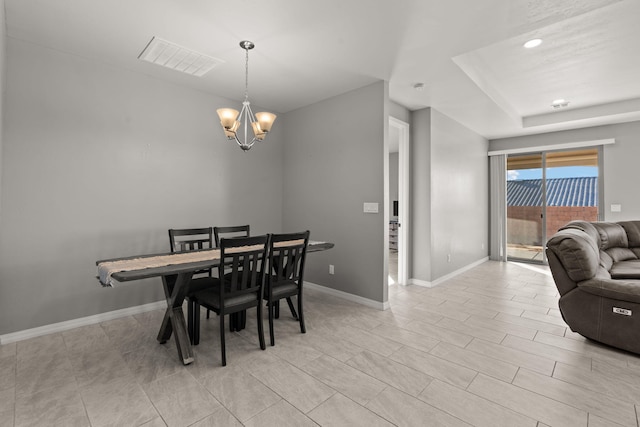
487	348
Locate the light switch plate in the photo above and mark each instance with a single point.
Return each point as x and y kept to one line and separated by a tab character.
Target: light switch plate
616	208
370	207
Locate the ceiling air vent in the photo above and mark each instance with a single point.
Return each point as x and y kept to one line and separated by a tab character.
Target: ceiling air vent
171	55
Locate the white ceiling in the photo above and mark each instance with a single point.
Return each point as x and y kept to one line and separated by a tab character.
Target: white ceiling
468	53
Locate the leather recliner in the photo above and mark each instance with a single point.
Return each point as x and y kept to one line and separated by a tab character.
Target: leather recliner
596	268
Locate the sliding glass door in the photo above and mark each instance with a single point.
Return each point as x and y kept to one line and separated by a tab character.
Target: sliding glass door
544	192
571	188
525	207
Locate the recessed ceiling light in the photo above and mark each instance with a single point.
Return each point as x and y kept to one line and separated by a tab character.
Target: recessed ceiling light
533	43
560	103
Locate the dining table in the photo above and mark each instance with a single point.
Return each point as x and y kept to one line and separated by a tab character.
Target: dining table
176	271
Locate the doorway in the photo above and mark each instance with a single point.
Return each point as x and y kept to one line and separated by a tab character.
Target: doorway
544	192
398	179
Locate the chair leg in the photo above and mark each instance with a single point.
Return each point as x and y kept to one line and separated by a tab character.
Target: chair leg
232	322
271	308
260	327
276	309
222	347
300	313
196	323
293	310
190	320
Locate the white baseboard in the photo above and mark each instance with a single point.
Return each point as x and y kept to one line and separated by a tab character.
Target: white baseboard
350	297
418	282
130	311
446	277
83	321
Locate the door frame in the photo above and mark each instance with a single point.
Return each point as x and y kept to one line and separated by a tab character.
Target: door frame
403	199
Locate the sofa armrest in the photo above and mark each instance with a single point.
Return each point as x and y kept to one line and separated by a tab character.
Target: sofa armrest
622	290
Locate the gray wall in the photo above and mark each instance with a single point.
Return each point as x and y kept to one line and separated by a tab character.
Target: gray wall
333	163
399	112
449	195
620	161
3	63
99	162
459	196
420	189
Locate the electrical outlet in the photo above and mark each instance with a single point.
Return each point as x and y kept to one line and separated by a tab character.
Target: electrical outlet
331	269
448	257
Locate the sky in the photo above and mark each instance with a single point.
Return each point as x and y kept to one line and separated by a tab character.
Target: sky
558	172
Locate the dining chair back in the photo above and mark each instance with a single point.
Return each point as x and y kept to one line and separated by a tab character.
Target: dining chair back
287	255
231	231
190	239
241	287
186	240
237	321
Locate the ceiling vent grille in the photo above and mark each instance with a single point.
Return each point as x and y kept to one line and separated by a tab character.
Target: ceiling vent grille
171	55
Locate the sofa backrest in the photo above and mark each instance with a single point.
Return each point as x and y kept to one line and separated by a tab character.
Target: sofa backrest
585	226
614	241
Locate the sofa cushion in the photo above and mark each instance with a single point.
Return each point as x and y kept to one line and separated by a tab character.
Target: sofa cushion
605	260
626	270
577	252
633	233
612	235
620	254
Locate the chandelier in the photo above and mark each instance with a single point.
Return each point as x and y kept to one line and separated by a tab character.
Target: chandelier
231	120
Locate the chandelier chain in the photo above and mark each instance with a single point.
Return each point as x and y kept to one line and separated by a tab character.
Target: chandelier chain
246	75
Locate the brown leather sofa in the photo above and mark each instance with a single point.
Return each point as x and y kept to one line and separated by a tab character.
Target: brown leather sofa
596	268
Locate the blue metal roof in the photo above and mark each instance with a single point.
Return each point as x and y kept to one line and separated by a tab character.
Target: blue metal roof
560	192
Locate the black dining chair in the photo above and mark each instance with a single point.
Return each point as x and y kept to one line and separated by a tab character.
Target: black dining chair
231	231
241	288
186	240
287	254
238	321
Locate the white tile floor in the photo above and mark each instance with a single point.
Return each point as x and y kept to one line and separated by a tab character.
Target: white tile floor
487	348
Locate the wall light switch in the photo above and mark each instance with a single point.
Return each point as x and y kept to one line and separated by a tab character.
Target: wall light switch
370	208
616	208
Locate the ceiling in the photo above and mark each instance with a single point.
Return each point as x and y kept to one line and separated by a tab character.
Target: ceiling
467	53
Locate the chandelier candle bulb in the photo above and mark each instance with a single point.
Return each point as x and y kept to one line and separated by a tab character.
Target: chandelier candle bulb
228	117
265	120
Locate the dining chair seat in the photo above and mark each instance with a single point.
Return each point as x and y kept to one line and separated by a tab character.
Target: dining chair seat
284	290
211	297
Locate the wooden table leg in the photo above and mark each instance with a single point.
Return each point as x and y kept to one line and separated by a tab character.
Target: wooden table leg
175	288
